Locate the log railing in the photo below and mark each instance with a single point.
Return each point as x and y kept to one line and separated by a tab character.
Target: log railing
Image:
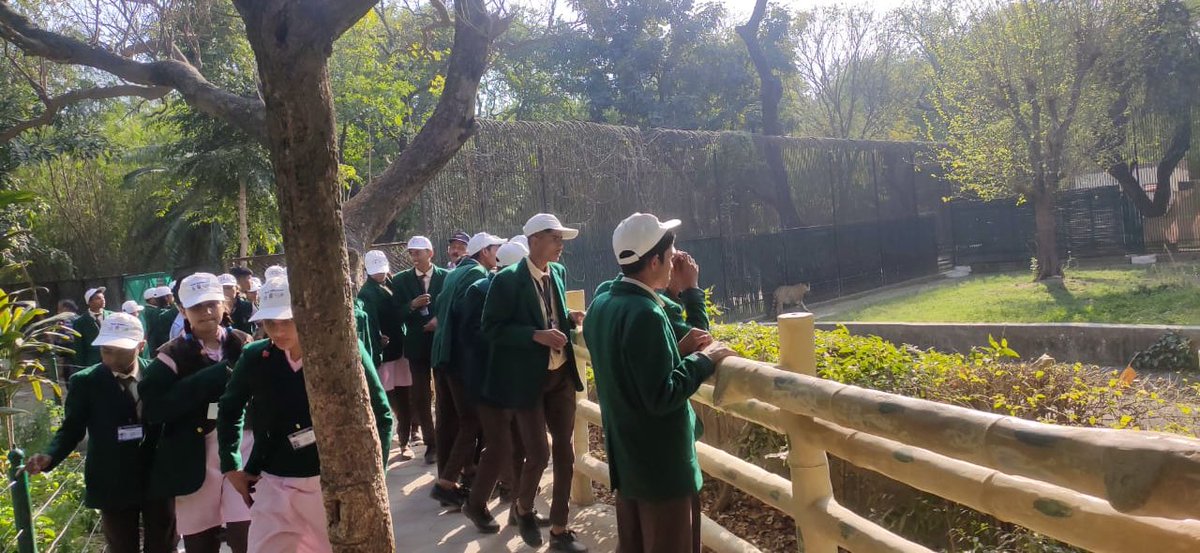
1099	489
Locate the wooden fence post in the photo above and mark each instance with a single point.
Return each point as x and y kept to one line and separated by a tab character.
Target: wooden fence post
811	487
581	485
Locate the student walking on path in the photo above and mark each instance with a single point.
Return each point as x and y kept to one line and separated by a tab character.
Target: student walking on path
416	294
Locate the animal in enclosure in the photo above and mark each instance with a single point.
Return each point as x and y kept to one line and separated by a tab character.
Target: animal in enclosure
791	294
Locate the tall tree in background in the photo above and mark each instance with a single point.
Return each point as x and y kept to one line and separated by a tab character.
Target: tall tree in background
1010	91
771	94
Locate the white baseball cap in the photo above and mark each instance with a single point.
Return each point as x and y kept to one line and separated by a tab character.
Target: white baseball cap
511	252
522	240
150	293
255	284
120	330
164	291
546	221
274	271
419	243
227	279
482	241
131	307
87	296
199	288
637	235
274	301
376	262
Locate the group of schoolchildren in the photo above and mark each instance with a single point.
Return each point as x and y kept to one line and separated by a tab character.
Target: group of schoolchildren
209	437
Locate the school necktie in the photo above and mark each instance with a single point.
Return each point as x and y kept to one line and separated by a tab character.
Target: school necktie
129	384
425	283
545	293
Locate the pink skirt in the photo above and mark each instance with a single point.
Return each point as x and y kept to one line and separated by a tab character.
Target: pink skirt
395	374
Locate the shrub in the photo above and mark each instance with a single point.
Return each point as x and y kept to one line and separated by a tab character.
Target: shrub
1172	352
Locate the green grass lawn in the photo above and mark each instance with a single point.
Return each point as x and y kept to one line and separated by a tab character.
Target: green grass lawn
1162	294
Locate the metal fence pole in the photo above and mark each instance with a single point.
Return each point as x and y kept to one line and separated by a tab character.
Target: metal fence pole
20	501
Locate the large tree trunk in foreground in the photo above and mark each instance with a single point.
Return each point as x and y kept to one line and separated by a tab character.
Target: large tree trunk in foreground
1046	231
292	51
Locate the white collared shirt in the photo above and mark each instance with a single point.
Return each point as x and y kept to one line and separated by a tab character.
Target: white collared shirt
643	286
557	357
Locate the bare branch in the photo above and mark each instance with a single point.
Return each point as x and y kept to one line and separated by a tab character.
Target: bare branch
57	103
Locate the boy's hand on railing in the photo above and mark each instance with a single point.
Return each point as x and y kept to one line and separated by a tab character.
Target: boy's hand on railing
37	464
696	340
717	352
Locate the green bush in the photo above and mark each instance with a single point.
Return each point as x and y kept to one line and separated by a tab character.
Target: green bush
988	379
1172	352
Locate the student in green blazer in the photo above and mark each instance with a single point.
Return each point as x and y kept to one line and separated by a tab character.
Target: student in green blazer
103	403
416	294
532	377
134	309
644	386
160	315
283	470
457	421
87	324
689	321
378	298
180	390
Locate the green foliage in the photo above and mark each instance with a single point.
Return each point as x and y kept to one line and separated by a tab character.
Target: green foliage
987	379
1172	352
27	336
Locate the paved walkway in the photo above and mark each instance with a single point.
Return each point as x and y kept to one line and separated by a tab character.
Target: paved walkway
422	526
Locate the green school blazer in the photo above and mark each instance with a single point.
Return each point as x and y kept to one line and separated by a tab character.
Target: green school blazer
457	282
264	385
644	389
692	314
518	366
114	473
376	300
418	344
158	327
86	354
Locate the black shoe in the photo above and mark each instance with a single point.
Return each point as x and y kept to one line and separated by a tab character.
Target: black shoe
503	493
447	497
566	541
482	519
528	526
543	521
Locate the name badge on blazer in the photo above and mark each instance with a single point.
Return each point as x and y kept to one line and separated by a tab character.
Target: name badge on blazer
130	433
301	439
212	411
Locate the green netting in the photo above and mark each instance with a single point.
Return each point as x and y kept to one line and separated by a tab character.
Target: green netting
136	285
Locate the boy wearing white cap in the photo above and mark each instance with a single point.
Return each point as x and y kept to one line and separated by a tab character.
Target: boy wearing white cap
416	294
532	377
644	386
457	422
180	391
87	325
240	309
103	403
282	470
683	302
387	342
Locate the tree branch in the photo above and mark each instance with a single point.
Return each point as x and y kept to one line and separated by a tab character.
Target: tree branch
56	104
245	113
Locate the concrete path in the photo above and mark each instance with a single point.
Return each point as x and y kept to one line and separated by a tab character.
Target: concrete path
422	526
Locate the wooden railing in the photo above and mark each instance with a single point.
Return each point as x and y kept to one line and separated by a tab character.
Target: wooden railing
1099	489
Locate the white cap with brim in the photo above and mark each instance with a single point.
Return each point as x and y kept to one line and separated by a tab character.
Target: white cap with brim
419	243
274	301
131	307
120	330
637	235
482	241
511	253
164	291
199	288
522	240
87	296
227	279
545	221
376	262
274	271
255	284
150	293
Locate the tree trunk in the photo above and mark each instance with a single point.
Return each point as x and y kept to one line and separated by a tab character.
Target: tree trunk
1048	265
771	94
243	227
292	54
1181	141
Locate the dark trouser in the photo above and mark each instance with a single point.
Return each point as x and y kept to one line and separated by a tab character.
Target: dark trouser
447	418
399	400
671	526
554	412
496	424
420	398
460	457
157	518
209	541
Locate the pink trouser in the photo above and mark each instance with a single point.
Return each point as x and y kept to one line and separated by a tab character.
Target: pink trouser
288	516
395	374
216	502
